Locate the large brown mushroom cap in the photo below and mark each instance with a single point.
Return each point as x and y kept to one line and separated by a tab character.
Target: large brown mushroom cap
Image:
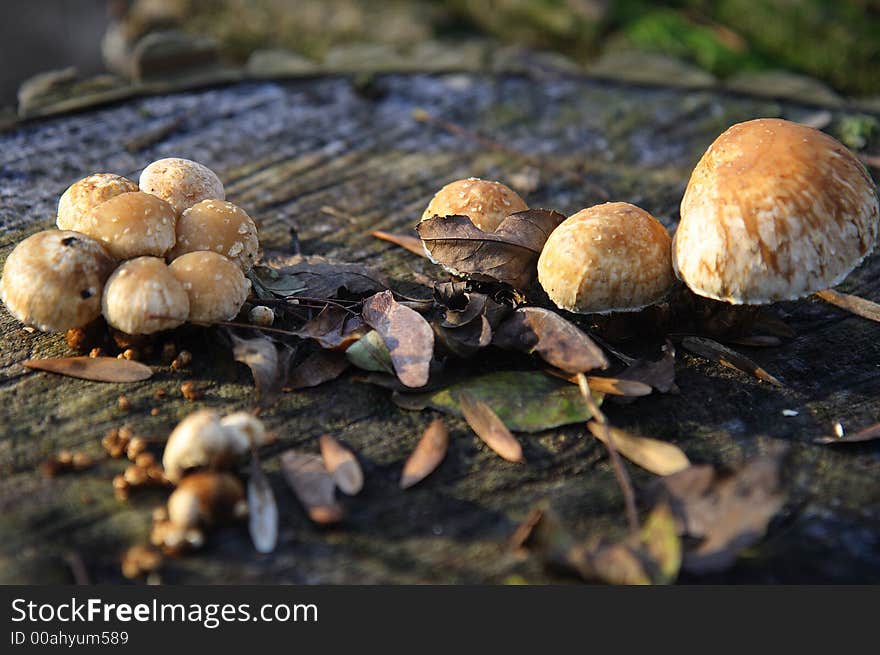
142	297
612	257
53	280
89	192
485	202
215	285
181	182
132	224
221	227
774	211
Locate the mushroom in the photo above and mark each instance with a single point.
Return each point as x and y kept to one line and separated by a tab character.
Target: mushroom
89	192
54	279
612	257
215	285
143	296
485	202
131	224
220	227
181	182
206	498
773	211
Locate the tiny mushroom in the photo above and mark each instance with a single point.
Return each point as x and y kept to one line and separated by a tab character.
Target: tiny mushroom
143	296
485	202
131	224
54	279
181	182
774	211
220	227
215	285
613	257
206	498
89	192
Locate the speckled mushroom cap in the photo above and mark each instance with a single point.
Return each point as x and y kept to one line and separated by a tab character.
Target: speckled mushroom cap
53	280
131	225
221	227
612	257
773	211
215	285
142	297
486	203
89	192
181	182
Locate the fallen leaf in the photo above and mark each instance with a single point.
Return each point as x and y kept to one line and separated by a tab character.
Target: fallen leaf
267	365
659	375
865	434
314	487
369	353
728	512
607	385
333	328
262	509
658	457
96	369
660	540
342	465
317	368
407	335
852	304
411	243
488	427
466	340
428	454
509	254
556	340
715	352
526	401
313	276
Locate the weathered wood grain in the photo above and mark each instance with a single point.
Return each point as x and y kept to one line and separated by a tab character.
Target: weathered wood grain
315	156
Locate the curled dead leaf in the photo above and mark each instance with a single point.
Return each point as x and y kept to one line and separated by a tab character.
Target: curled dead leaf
314	276
407	335
317	368
428	454
333	328
659	375
313	486
268	365
96	369
411	243
342	465
658	457
491	429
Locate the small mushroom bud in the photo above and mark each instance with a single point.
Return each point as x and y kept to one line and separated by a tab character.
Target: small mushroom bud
181	182
486	203
54	279
89	192
140	560
207	498
215	285
245	431
142	296
613	257
261	315
131	225
220	227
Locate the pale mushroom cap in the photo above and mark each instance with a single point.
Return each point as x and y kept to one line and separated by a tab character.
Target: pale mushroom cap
215	285
132	224
89	192
181	182
198	440
142	296
612	257
774	211
245	431
486	203
220	227
54	279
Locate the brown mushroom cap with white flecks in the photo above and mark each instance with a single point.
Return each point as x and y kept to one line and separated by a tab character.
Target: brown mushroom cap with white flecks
215	285
132	224
485	202
54	279
89	192
220	227
181	182
774	211
143	296
613	257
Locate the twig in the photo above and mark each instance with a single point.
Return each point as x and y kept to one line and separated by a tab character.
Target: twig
153	136
852	304
623	480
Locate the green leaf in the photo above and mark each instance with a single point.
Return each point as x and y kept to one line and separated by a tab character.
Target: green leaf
370	354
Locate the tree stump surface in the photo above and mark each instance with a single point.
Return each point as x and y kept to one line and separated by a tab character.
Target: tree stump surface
334	159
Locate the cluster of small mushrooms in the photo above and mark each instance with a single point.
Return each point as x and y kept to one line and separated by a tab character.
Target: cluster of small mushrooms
774	210
148	256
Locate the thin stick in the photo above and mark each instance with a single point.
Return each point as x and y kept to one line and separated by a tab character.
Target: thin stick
623	480
852	304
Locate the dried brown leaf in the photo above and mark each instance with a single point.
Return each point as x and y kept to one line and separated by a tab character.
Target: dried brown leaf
428	454
658	457
488	427
865	434
342	465
715	352
853	304
466	340
317	368
557	341
97	369
310	275
509	254
407	335
659	375
606	385
262	509
411	243
268	366
314	487
333	328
